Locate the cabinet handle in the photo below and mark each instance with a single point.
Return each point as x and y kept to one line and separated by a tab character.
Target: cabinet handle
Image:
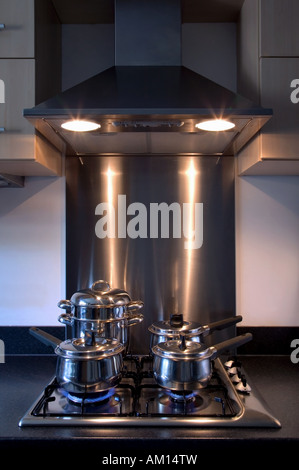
2	26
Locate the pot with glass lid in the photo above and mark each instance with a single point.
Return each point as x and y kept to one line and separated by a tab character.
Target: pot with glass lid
106	311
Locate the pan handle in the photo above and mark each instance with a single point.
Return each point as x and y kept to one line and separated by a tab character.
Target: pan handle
66	304
44	337
220	325
66	319
235	342
134	305
134	319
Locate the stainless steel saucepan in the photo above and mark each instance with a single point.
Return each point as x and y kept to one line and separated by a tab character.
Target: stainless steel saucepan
165	330
186	365
105	311
85	365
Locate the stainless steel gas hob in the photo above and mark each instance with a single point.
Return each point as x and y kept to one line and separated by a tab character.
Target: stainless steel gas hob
229	400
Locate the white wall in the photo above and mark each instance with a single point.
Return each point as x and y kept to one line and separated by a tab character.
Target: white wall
267	250
32	252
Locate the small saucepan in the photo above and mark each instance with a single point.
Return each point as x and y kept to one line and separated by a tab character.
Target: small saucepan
165	330
85	365
186	365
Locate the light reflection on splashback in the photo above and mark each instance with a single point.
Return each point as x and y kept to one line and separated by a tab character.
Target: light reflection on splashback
118	197
191	190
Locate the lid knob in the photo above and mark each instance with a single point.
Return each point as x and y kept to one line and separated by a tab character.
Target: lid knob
90	338
183	345
101	286
176	320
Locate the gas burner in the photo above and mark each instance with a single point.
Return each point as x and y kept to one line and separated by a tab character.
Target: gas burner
185	396
139	401
89	399
183	402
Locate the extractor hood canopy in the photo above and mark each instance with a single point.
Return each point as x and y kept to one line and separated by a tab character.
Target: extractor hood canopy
148	103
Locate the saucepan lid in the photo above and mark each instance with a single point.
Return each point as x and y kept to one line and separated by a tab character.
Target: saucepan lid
89	347
180	349
174	326
100	294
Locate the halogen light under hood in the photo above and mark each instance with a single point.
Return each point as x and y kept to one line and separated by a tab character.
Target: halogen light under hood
147	104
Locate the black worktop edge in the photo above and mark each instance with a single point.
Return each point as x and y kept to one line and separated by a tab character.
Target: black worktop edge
18	340
273	340
269	340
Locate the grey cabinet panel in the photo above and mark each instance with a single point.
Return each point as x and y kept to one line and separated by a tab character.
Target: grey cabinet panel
17	35
268	66
279	28
280	136
29	43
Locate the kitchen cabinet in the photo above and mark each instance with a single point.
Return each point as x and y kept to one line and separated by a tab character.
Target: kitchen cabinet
279	28
17	31
280	139
29	54
268	72
18	76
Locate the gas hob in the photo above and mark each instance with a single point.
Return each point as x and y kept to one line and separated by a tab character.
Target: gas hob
229	400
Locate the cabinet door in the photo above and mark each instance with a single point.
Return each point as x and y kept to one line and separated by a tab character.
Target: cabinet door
280	137
17	28
279	28
17	85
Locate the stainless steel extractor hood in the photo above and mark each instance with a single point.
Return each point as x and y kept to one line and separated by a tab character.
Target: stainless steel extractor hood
148	103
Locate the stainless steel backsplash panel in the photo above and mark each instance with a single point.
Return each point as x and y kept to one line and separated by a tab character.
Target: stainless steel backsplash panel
163	272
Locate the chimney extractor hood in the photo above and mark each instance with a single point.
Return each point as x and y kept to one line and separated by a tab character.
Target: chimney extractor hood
148	103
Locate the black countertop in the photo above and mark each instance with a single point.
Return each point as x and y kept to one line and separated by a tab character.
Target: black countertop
23	377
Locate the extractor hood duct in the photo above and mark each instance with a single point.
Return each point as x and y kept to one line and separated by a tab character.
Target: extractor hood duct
148	103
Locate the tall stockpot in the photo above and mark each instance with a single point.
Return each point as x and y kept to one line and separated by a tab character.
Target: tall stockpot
107	312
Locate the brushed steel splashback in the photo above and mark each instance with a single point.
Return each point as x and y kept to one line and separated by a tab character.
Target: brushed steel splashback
165	273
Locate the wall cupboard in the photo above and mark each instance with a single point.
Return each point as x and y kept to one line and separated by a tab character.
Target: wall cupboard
30	49
269	75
